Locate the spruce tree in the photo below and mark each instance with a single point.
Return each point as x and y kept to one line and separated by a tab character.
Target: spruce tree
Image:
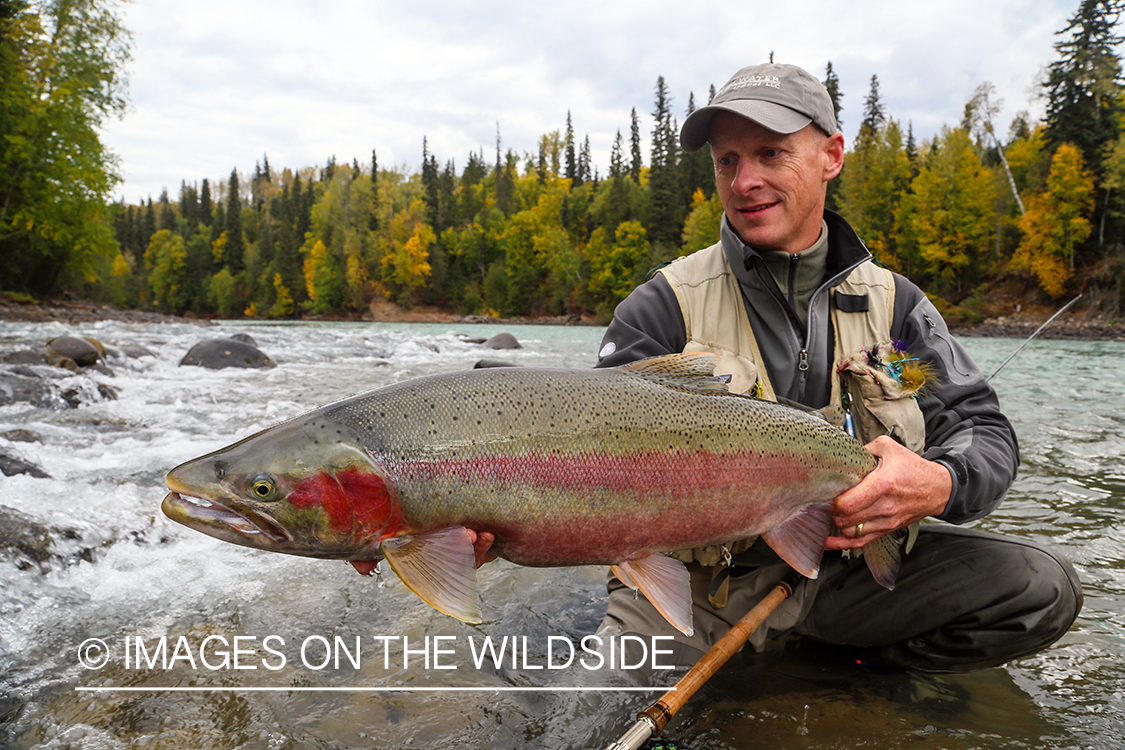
373	219
663	182
235	252
571	162
874	113
1083	85
205	207
635	147
832	84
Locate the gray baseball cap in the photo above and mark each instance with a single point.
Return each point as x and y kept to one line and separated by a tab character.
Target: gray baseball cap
783	98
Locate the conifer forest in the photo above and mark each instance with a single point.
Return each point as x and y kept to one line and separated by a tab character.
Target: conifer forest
540	230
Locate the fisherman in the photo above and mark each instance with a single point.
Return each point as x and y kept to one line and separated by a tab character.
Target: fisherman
786	297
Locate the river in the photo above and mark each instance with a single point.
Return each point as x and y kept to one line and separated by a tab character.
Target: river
227	647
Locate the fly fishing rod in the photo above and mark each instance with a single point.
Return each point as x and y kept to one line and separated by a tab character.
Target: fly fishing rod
1029	339
652	720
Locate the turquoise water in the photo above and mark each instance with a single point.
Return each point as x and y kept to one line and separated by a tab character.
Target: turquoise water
124	575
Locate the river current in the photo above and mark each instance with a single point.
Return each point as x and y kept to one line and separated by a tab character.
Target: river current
195	643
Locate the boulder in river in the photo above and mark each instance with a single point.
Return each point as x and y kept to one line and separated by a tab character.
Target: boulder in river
82	351
502	341
215	354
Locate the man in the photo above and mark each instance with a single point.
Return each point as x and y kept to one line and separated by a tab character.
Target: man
785	296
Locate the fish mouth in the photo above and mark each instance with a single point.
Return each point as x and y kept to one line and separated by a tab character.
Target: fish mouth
246	527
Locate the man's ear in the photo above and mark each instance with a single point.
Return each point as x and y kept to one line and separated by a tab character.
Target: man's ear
834	151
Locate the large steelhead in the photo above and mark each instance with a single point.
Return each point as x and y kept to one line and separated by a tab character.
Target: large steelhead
564	466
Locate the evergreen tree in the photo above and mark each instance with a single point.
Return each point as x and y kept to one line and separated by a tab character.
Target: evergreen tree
430	184
664	194
1083	94
583	175
697	170
571	162
167	215
373	220
205	207
874	112
832	84
234	252
635	147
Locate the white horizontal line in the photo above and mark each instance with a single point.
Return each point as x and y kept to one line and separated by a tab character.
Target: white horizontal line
509	689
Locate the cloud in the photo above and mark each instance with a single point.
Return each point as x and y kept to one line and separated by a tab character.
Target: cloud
215	85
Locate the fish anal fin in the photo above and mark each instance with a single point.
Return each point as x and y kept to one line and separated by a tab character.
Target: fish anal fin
665	582
883	556
438	566
800	540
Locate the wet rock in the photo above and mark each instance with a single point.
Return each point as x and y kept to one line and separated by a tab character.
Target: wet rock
136	351
49	388
483	363
11	464
215	354
17	387
81	351
21	436
41	357
502	341
28	543
471	339
245	338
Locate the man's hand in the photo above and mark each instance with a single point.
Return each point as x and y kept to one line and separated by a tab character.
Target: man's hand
904	488
482	541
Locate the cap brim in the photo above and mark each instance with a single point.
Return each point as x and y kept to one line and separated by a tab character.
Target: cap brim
776	117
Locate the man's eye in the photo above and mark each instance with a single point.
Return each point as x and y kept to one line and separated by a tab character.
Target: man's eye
769	153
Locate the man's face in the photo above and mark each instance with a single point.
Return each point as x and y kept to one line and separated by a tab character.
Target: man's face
772	185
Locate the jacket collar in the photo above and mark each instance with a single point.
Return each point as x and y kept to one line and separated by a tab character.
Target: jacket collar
845	252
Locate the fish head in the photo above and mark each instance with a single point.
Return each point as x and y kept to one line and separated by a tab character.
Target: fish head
302	488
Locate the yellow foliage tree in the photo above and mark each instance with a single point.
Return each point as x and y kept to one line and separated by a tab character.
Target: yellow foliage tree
283	301
701	228
615	266
1056	221
407	266
950	211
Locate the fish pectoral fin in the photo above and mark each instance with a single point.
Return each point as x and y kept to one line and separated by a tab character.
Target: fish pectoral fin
800	540
438	567
665	583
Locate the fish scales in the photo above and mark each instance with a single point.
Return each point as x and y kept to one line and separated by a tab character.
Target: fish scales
537	454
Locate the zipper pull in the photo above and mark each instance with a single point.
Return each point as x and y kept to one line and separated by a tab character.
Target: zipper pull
803	363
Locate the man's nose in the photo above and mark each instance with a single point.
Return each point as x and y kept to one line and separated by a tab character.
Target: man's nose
746	178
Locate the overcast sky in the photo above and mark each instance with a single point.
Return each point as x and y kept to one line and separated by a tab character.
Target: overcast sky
216	84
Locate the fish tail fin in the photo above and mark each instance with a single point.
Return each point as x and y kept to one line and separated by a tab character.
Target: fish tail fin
800	540
665	582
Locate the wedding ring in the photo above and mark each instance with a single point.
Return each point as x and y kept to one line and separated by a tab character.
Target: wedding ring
858	530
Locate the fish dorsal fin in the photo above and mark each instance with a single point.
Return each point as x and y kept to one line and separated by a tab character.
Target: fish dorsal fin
694	371
438	567
665	583
800	540
832	414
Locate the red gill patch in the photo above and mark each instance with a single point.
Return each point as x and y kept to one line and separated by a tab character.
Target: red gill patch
357	502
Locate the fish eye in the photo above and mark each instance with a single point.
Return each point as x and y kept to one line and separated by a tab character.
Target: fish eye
263	487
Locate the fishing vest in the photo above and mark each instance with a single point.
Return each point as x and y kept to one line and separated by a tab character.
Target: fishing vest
861	310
